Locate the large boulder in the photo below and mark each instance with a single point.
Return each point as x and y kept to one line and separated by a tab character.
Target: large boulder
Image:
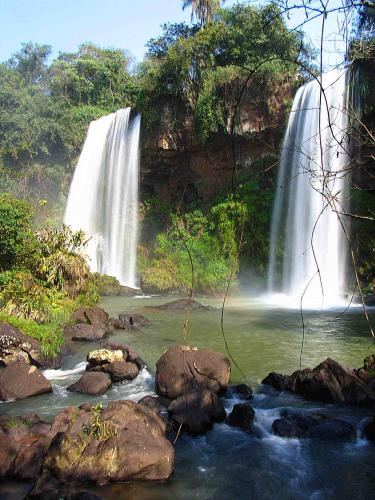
16	346
20	380
85	332
127	320
196	411
124	442
183	305
182	368
92	383
313	426
328	382
90	315
241	416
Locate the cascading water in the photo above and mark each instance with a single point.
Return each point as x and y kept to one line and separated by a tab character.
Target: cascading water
311	193
103	197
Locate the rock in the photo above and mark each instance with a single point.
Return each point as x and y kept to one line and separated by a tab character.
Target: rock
19	381
124	442
16	346
118	370
328	382
120	325
196	411
241	391
92	383
90	315
182	305
241	416
370	430
313	426
133	320
159	405
369	364
182	368
24	441
129	353
369	299
104	356
85	332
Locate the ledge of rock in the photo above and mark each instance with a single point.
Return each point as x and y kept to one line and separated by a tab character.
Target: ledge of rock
16	346
85	332
196	411
182	305
328	382
92	383
182	368
132	321
20	380
313	426
241	416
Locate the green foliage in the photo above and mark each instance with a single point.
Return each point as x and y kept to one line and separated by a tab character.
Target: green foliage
106	285
16	238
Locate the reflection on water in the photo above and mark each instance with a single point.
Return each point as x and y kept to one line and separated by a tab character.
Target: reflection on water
228	463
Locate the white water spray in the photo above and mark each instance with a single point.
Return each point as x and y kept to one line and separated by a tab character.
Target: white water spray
103	197
311	193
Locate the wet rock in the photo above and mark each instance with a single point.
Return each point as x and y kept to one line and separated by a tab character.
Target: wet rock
370	430
104	356
85	332
16	346
19	381
313	426
369	299
241	416
124	442
133	320
182	368
92	383
183	305
118	370
90	315
328	382
241	391
196	411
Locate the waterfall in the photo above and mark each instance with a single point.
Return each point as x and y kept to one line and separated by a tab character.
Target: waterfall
103	196
308	244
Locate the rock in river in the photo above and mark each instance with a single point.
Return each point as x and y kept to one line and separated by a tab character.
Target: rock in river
90	315
196	411
328	382
182	368
313	426
92	383
123	442
85	332
20	380
182	305
241	416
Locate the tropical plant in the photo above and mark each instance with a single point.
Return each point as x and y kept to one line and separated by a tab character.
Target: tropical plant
202	10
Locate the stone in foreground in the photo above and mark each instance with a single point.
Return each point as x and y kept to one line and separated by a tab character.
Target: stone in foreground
313	426
124	442
241	416
196	411
20	380
92	383
183	368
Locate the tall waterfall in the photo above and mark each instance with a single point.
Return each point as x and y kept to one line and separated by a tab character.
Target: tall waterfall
103	197
308	243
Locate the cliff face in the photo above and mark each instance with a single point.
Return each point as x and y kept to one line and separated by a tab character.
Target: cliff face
174	160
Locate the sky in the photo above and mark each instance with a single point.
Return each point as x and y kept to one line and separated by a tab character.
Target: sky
127	24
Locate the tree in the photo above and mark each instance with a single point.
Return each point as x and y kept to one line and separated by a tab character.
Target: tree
202	10
31	61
